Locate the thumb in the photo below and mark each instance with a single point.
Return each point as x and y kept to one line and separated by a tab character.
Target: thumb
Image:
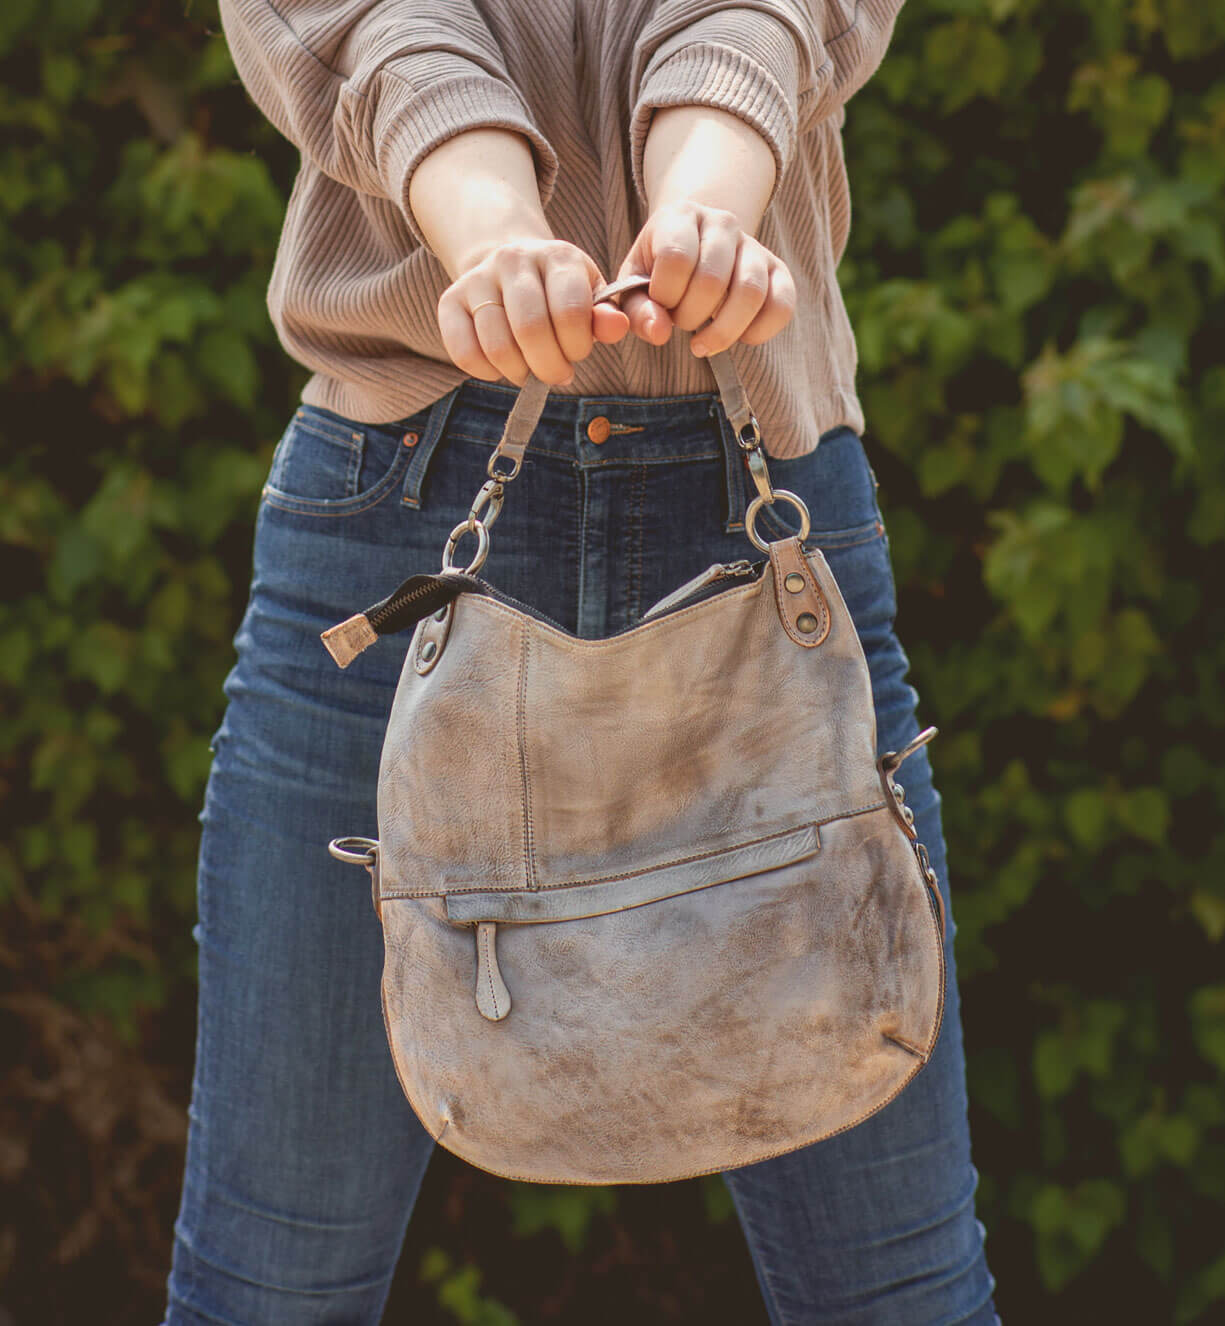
608	323
648	319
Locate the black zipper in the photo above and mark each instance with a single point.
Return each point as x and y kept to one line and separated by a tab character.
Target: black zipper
395	612
395	603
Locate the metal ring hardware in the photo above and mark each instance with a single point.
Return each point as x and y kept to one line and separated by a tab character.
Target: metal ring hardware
495	474
340	849
750	517
469	526
761	476
754	440
892	758
491	494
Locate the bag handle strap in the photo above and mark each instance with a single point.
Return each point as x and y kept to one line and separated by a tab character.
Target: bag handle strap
528	407
524	418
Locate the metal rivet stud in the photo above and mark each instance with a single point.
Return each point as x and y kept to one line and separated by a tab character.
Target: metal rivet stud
793	583
428	650
411	439
806	623
441	614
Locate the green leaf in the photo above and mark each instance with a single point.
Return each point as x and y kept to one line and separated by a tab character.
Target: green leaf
1208	1023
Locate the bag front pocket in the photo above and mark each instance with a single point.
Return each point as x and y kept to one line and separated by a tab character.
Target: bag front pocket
577	902
702	1030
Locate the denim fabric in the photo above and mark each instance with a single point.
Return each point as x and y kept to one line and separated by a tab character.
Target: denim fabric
304	1158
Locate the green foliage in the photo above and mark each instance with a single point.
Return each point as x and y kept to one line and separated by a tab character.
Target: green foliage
567	1211
1036	276
136	244
458	1292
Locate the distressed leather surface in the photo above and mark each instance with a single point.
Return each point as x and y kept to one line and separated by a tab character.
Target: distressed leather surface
687	1025
694	732
694	1034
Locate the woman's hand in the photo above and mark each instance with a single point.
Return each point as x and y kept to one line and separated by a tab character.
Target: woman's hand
546	323
704	266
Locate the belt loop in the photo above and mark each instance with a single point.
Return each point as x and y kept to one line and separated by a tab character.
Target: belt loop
733	469
431	435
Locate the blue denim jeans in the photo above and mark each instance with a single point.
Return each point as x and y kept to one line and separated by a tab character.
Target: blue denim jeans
304	1158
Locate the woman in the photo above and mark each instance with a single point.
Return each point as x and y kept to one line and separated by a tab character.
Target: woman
470	174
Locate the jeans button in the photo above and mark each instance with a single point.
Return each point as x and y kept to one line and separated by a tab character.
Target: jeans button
599	429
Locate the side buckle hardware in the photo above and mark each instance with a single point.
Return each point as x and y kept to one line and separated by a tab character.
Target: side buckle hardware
887	764
361	852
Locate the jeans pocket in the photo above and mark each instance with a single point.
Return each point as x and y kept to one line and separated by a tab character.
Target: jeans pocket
325	465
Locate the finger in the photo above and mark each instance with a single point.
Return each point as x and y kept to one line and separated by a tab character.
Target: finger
648	318
527	311
498	343
749	290
778	309
672	244
608	324
568	290
459	338
719	244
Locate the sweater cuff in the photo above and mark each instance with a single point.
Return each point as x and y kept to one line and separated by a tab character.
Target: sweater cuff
709	74
411	124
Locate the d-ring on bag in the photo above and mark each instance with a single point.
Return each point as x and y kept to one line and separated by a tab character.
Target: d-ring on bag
651	905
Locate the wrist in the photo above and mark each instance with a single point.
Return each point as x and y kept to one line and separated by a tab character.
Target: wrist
702	154
488	234
475	191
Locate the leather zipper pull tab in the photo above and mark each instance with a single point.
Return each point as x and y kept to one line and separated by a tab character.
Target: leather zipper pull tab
492	996
417	597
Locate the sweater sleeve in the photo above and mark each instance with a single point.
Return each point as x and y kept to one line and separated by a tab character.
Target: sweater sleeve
781	65
366	89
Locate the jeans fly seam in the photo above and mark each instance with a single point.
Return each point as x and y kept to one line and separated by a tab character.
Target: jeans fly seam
637	533
581	532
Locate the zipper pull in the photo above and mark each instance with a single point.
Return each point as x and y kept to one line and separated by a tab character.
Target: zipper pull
492	996
416	598
720	571
740	567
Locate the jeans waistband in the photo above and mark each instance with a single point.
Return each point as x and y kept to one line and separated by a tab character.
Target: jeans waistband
596	432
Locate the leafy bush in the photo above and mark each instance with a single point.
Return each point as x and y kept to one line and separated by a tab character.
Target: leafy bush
1036	273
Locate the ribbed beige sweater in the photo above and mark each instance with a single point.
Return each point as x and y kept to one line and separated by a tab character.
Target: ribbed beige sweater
367	88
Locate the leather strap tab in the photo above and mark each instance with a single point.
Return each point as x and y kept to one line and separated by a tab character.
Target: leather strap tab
524	416
432	638
801	604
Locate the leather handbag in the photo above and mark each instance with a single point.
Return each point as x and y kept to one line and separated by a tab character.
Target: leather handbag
652	906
